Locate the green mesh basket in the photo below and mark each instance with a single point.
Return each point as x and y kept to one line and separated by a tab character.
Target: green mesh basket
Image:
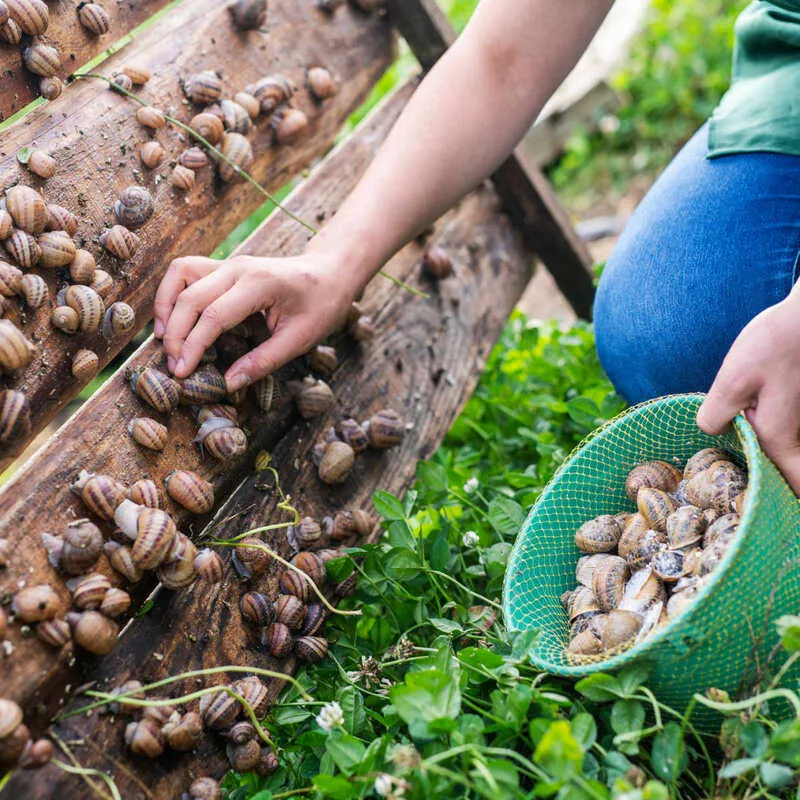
724	636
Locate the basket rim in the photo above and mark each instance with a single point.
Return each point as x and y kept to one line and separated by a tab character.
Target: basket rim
649	646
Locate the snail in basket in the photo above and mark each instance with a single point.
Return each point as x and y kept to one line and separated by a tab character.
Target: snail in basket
642	568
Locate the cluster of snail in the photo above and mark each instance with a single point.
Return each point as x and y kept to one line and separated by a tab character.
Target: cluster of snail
16	746
643	569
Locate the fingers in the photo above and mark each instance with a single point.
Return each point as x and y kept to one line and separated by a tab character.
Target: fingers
182	272
734	389
776	420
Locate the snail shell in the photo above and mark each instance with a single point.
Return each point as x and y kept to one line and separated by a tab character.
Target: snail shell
265	392
253	690
271	92
190	491
121	560
134	207
643	590
608	582
620	630
23	249
144	738
186	733
209	126
248	15
437	263
94	18
702	460
82	546
277	638
204	386
194	158
237	149
120	82
13	746
152	154
324	360
66	319
42	60
350	432
145	492
685	526
158	390
584	571
204	87
308	533
250	559
294	583
42	164
10	280
208	566
314	398
27	208
88	305
351	523
312	565
10	717
182	178
290	125
240	732
290	611
722	529
139	75
4	15
11	33
33	289
336	463
36	603
149	433
100	493
257	608
205	789
248	103
310	649
150	117
55	632
315	617
32	16
120	242
61	219
652	475
51	87
647	546
15	350
655	506
216	410
6	224
120	318
219	710
728	481
36	754
669	565
244	757
82	268
320	83
90	591
15	415
179	573
235	118
599	535
56	249
115	603
155	535
102	282
226	443
385	429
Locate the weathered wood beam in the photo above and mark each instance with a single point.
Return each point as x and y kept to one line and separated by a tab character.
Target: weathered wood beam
526	193
75	44
95	139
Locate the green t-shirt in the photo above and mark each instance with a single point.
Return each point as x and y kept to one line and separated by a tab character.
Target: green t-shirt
761	110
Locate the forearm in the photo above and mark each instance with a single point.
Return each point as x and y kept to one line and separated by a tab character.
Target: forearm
463	121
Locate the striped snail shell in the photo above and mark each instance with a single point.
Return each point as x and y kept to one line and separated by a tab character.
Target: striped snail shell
11	33
15	415
150	117
289	125
225	443
23	249
66	319
41	164
121	560
204	87
120	242
6	224
219	710
120	318
115	603
152	154
315	617
15	350
185	733
138	74
101	493
211	424
55	632
42	60
10	279
312	565
85	364
120	82
179	573
82	546
90	591
182	178
248	103
238	151
350	432
437	263
134	207
250	559
308	533
144	738
297	584
27	208
205	413
88	304
190	491
243	757
350	523
207	125
193	158
205	385
347	587
50	88
33	289
36	603
145	492
10	717
208	566
310	649
61	219
268	764
336	462
265	392
277	638
4	15
314	398
182	549
156	533
249	15
235	118
32	16
240	732
257	608
94	18
320	83
82	268
56	249
385	429
101	282
324	360
271	92
290	611
157	389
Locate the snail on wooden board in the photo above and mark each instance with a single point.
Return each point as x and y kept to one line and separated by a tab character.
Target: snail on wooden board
94	18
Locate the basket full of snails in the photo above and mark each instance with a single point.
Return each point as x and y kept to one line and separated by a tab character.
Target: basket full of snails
659	544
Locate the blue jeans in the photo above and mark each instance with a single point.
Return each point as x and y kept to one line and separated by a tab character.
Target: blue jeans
712	244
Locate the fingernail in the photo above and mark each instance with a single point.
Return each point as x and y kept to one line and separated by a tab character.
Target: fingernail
158	329
179	366
170	363
236	381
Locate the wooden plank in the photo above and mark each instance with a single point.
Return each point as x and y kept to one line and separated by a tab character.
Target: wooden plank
95	139
527	195
96	439
75	44
425	362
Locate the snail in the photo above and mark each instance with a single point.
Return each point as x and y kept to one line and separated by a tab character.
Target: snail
59	218
289	125
239	154
702	460
11	33
290	611
722	529
10	280
88	305
94	18
121	559
134	207
155	535
222	439
204	386
144	738
310	649
13	746
244	757
652	475
349	523
66	319
208	566
190	491
685	526
156	388
119	319
15	418
315	617
182	178
336	462
33	289
120	82
204	87
16	351
120	242
248	15
82	546
248	103
253	690
23	248
312	565
219	710
151	154
101	282
250	559
384	429
240	732
148	432
138	74
271	92
314	397
183	732
235	118
36	603
320	83
6	224
209	126
668	565
647	545
257	608
32	16
307	533
41	164
82	268
177	573
277	638
295	584
56	249
89	591
115	603
10	717
599	535
51	87
145	492
655	506
194	158
437	263
100	493
608	582
54	632
151	117
42	60
324	360
205	413
27	208
642	591
265	391
204	789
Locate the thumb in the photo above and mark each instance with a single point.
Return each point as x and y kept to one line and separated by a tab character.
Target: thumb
284	345
733	390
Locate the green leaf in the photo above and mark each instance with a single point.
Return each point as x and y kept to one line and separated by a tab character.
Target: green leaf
600	687
738	767
495	558
403	565
336	788
265	794
669	752
506	516
584	729
480	658
523	645
345	750
427	695
776	776
24	155
447	626
432	477
785	742
754	739
558	752
399	534
337	569
789	631
440	553
388	506
627	716
633	676
616	764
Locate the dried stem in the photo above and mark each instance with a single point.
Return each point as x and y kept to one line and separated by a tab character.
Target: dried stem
84	772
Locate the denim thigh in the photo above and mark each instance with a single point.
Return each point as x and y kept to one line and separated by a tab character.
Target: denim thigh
712	244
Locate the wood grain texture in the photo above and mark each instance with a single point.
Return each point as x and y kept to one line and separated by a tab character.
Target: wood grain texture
95	139
526	193
75	44
424	362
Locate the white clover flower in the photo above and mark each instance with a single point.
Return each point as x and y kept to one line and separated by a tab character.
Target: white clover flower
383	785
330	716
470	539
471	485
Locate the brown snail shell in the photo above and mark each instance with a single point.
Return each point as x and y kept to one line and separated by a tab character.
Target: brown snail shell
205	789
307	533
265	392
145	492
190	491
10	32
620	630
115	603
13	746
584	571
23	249
350	432
102	282
204	87
150	117
235	118
27	208
208	566
10	280
722	529
148	433
728	481
41	164
290	125
6	224
655	506
685	526
208	126
15	415
250	559
253	690
94	18
310	649
363	329
33	289
350	523
294	583
385	429
152	154
138	74
90	590
205	385
240	732
120	82
56	249
10	717
36	603
66	319
312	565
668	565
186	733
144	738
237	149
156	388
182	178
61	219
94	632
437	263
4	14
314	398
42	60
156	533
608	582
257	608
89	306
179	573
248	103
702	460
599	535
159	714
82	268
219	710
290	611
82	546
55	632
32	16
134	207
121	560
277	638
324	360
37	754
249	15
320	83
193	158
336	463
226	443
347	587
133	691
120	242
120	318
272	92
648	544
205	413
315	617
652	475
51	87
580	602
244	757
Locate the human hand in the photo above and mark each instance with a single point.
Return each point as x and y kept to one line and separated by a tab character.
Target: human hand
761	374
304	299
